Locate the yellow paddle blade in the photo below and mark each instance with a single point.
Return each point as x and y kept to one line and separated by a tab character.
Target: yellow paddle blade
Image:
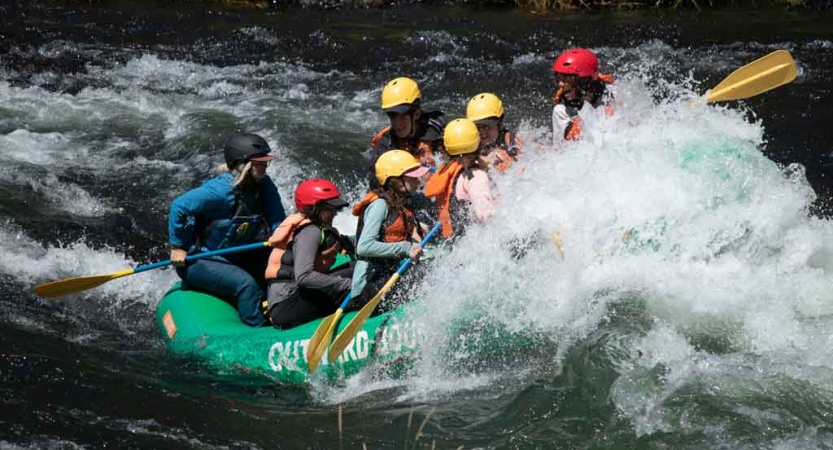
343	339
773	70
318	335
78	284
315	350
559	244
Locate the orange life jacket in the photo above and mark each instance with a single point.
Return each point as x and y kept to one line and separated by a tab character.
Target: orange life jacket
440	185
281	242
400	229
422	150
504	151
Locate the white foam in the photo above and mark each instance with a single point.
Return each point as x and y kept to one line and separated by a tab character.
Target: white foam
33	264
673	204
41	444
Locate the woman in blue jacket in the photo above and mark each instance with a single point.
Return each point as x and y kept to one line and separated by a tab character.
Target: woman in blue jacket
239	206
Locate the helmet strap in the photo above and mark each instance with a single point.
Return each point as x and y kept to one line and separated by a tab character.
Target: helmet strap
415	113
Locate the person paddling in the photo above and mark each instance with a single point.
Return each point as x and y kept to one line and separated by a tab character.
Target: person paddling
411	129
302	287
239	206
461	187
578	80
498	145
387	230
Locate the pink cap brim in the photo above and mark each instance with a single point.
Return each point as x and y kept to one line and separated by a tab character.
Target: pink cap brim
263	158
416	173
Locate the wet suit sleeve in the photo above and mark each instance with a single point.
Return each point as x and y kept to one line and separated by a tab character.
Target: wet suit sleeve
305	249
210	200
275	213
369	243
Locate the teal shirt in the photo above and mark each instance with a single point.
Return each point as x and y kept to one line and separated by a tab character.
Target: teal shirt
370	245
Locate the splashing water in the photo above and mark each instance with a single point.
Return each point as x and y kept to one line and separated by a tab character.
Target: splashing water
689	309
671	209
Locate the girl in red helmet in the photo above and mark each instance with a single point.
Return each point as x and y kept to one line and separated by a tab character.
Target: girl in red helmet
578	79
301	286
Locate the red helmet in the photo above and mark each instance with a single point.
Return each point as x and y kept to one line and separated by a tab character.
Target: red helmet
314	190
577	61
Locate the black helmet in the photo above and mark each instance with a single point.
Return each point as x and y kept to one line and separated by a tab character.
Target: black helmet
246	147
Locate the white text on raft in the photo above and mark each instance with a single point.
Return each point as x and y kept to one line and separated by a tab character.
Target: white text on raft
396	338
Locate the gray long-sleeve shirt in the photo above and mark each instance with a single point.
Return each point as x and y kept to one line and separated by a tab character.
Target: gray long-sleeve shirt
304	251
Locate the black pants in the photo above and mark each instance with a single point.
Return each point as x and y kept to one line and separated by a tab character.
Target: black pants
307	304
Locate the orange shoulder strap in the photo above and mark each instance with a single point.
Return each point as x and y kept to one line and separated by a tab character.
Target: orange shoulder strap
280	239
358	210
379	137
558	95
606	79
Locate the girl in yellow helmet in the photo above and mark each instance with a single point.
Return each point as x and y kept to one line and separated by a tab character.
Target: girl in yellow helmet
461	186
388	230
498	145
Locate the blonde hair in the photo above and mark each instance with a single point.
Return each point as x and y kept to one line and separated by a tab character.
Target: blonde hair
240	171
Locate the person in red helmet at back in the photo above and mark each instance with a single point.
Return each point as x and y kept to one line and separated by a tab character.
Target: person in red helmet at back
302	287
579	82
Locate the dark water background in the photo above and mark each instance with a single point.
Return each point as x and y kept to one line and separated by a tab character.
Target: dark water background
107	112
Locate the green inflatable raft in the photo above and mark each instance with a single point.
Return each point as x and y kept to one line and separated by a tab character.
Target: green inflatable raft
198	324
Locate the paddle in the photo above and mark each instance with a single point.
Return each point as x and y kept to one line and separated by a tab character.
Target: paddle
343	339
321	338
78	284
773	70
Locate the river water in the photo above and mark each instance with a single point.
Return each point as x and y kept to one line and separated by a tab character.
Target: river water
691	309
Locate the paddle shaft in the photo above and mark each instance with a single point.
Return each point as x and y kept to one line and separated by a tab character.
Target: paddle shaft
78	284
346	301
196	256
408	261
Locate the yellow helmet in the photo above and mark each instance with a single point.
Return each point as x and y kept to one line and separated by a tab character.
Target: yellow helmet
484	106
461	137
399	95
394	163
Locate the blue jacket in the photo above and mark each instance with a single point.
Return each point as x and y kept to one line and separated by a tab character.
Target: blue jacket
213	214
